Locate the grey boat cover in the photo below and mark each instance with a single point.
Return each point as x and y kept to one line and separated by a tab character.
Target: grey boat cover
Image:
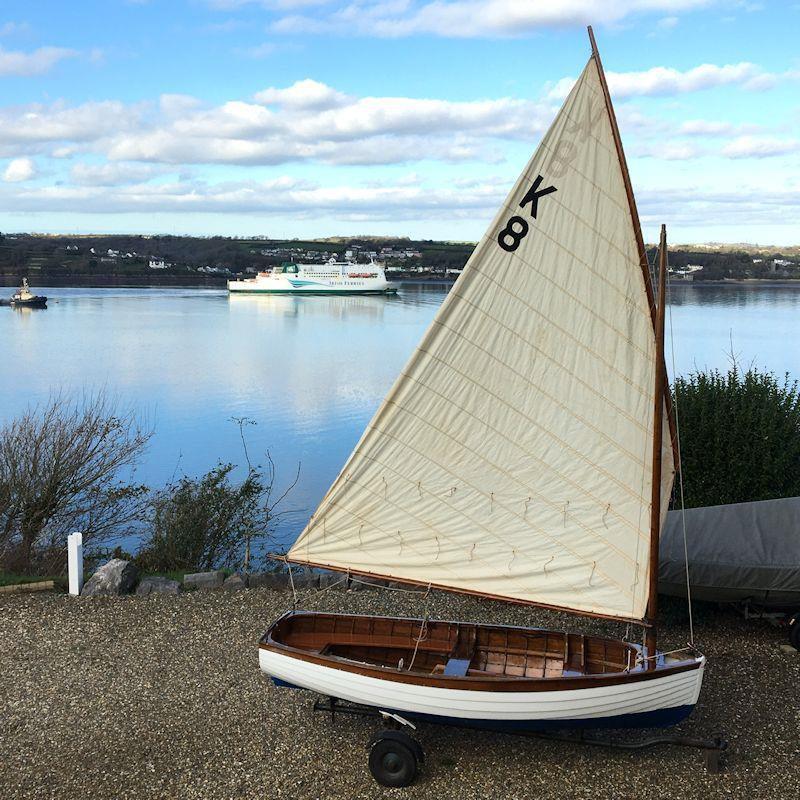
739	552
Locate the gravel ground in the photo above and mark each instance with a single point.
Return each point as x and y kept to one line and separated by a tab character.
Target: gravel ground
161	697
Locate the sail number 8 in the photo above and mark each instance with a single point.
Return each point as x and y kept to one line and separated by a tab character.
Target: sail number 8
517	227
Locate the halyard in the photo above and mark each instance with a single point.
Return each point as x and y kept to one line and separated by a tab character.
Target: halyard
161	697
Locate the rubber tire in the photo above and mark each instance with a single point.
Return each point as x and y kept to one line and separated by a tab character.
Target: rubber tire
794	632
392	762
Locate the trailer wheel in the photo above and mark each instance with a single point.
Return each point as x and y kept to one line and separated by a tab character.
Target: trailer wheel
794	631
394	758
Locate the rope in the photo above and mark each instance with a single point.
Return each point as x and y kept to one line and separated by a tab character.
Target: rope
324	589
680	474
389	588
291	583
689	647
423	628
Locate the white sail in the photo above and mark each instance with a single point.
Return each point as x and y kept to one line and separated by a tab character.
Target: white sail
513	456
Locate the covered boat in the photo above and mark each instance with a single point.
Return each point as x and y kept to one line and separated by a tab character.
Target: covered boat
525	453
738	553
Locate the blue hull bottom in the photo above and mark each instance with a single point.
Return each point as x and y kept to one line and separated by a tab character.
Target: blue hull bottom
662	718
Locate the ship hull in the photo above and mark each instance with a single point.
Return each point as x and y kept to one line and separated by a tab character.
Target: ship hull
33	302
640	697
316	291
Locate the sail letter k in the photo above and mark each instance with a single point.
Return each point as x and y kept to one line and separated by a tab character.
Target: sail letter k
533	194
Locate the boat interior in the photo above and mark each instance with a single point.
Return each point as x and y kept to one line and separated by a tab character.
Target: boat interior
454	649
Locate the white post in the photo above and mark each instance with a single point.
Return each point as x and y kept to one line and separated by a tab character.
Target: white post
75	560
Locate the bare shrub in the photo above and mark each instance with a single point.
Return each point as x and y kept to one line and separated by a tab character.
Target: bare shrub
63	467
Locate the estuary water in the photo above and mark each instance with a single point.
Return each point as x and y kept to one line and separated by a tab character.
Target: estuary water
308	371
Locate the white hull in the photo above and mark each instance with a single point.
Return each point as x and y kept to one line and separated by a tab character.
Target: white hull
657	701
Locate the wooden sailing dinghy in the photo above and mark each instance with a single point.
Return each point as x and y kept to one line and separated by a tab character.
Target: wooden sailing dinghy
524	454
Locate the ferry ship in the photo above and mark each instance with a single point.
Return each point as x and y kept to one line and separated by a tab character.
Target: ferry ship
333	277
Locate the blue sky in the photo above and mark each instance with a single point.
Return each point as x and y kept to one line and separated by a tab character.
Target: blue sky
402	117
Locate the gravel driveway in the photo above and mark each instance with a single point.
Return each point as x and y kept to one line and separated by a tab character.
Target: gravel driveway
161	697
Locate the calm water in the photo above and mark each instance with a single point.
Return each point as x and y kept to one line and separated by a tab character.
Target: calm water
310	371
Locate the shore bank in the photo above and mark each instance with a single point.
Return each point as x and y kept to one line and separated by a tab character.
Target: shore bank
120	281
161	697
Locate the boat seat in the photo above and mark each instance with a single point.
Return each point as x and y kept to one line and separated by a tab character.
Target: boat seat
457	667
462	653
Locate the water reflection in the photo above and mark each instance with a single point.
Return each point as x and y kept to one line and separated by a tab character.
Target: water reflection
338	307
309	370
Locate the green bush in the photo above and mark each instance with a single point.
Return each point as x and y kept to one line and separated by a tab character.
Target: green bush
207	522
740	436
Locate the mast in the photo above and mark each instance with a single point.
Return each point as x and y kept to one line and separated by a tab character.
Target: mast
644	264
658	428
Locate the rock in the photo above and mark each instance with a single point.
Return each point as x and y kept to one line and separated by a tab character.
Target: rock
305	579
235	582
335	579
154	584
115	577
788	650
204	580
269	580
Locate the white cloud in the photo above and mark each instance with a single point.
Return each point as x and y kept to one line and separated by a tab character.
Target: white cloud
112	174
307	93
313	122
704	127
36	62
37	127
471	18
278	197
13	28
263	50
19	169
669	81
760	147
669	151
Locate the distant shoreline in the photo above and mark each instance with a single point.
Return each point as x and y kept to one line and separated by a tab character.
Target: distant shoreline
220	281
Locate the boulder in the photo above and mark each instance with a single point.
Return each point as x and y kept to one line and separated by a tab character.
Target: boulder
154	584
204	580
335	579
115	577
269	580
235	582
305	579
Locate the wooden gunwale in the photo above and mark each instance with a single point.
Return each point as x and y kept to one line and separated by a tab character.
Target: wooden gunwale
471	682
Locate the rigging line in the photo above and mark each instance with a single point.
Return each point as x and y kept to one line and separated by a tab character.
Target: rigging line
325	588
291	583
680	470
423	628
389	588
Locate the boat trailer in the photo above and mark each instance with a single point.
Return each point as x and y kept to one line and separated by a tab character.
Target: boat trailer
395	756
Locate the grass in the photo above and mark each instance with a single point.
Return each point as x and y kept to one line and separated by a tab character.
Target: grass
11	579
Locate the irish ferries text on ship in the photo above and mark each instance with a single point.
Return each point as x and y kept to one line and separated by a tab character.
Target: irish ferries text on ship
334	277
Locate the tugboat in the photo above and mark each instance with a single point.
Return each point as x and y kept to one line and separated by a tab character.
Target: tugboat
24	298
